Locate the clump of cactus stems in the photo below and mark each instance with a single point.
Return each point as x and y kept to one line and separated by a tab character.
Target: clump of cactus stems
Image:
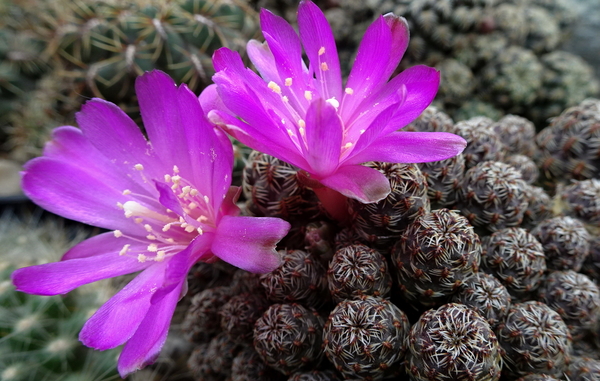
576	298
535	339
365	338
453	342
483	144
581	200
437	253
516	259
288	338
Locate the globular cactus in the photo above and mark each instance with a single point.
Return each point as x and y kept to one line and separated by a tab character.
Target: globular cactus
581	200
365	338
483	144
452	343
565	242
517	134
437	254
526	167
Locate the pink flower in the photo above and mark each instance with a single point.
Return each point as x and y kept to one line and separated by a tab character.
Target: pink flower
168	201
305	116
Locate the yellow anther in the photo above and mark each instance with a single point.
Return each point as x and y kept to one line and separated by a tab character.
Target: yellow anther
170	240
348	145
202	219
168	178
186	189
175	169
285	99
126	192
176	179
139	167
308	95
118	233
302	123
151	237
322	51
138	220
334	102
119	205
153	248
288	82
349	91
142	258
194	192
192	205
324	66
275	87
166	227
160	256
148	228
124	250
189	228
206	199
200	231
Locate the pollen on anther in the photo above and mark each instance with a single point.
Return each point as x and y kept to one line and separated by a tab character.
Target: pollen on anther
126	192
194	192
349	91
334	102
202	218
138	220
308	95
124	250
192	205
285	99
166	227
324	66
206	199
322	51
168	178
200	231
118	233
139	167
148	228
275	87
141	258
186	189
120	206
288	82
151	237
189	228
175	169
160	255
301	123
153	248
348	145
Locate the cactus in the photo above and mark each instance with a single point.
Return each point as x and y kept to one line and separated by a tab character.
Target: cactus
565	242
482	142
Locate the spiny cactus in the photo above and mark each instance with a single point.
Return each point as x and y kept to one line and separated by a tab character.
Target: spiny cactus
570	145
288	338
486	295
240	313
248	366
517	134
516	259
581	200
444	178
565	242
432	119
438	252
381	223
202	320
492	196
299	279
539	206
483	144
315	375
452	343
535	339
576	298
365	338
358	270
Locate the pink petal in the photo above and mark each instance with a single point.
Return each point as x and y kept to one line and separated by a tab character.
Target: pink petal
400	38
77	193
370	67
358	182
144	346
249	242
320	48
118	138
422	83
262	58
411	147
62	277
323	138
102	244
118	319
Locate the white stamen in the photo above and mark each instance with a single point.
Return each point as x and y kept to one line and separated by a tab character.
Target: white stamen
153	248
126	192
275	87
348	91
186	189
288	82
138	167
167	178
334	102
151	237
324	66
200	231
148	228
206	199
133	208
175	169
348	145
166	227
189	228
118	233
142	258
285	99
308	95
194	192
124	250
138	220
202	219
192	205
119	205
322	51
160	256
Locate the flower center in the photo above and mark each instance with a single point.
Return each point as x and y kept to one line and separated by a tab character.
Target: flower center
168	231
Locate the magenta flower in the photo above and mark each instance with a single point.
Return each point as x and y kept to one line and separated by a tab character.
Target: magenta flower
168	201
305	117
